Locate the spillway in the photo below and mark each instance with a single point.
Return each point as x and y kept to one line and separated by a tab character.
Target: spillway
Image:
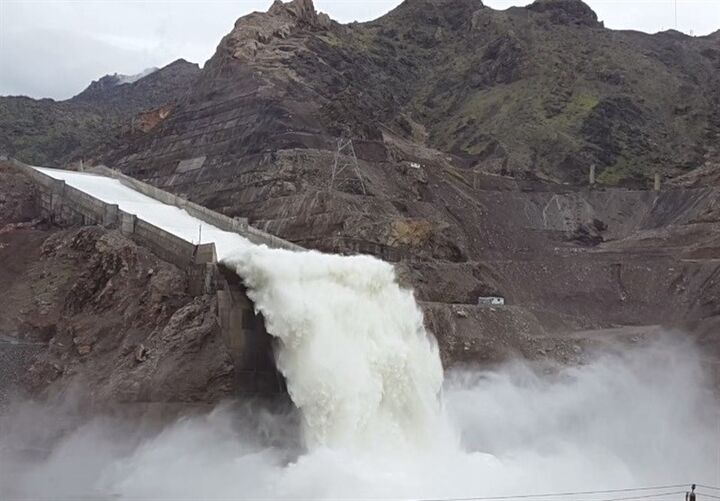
168	217
357	359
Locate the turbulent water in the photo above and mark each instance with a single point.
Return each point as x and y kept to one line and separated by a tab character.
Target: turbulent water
357	360
367	381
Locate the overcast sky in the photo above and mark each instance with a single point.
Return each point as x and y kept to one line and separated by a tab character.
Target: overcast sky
54	48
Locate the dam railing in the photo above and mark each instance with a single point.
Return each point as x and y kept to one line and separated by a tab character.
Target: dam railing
221	221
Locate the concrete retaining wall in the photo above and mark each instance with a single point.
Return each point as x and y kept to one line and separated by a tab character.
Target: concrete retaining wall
167	246
244	333
235	225
68	206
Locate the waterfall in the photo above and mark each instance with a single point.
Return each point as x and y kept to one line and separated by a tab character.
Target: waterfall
358	361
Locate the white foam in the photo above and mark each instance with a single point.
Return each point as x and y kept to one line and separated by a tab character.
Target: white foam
635	419
358	361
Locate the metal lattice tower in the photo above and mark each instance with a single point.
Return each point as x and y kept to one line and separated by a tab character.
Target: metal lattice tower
345	158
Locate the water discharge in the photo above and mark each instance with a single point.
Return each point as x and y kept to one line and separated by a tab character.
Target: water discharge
358	362
639	417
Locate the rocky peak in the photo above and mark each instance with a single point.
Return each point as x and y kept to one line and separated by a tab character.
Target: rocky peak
255	30
453	13
302	11
101	85
566	12
183	64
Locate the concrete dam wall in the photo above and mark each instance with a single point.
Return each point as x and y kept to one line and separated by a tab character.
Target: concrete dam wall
243	330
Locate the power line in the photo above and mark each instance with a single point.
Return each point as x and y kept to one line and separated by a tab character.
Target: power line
708	487
658	494
705	494
577	493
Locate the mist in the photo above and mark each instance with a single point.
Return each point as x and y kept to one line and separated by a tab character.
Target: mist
626	418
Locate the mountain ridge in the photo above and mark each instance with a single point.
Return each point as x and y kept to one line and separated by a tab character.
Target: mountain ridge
536	92
54	133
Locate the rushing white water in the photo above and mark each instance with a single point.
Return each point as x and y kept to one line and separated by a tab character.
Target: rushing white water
633	418
168	217
357	359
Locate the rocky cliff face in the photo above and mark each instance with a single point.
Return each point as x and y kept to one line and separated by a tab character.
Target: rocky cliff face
105	317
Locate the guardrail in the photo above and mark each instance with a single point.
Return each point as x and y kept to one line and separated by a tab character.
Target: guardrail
221	221
66	205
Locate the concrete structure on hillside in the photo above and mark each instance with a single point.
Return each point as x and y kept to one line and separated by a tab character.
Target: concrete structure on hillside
243	329
491	300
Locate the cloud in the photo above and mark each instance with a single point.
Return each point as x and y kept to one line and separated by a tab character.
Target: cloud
55	49
60	63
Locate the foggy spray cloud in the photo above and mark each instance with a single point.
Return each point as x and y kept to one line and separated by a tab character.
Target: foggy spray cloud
639	418
376	420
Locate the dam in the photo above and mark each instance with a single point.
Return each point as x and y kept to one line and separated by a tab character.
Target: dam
349	341
185	234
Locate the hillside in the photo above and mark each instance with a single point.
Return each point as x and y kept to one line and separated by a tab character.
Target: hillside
546	90
51	132
538	92
256	137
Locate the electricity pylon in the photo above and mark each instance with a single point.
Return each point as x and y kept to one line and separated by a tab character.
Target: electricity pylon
345	158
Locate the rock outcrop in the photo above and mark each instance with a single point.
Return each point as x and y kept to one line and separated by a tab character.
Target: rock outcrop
567	12
281	20
104	317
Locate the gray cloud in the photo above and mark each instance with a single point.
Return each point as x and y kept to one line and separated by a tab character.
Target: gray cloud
54	48
58	63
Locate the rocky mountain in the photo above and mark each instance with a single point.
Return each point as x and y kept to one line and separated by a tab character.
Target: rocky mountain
542	91
51	132
467	124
